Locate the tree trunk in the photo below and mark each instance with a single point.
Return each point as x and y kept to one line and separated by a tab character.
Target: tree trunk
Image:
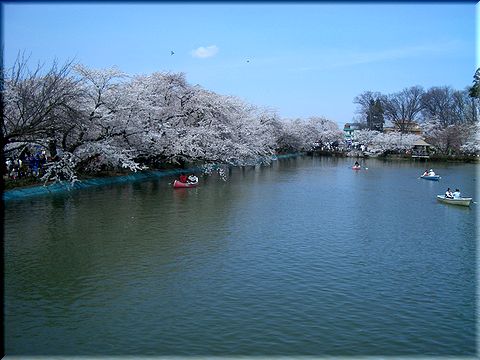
52	148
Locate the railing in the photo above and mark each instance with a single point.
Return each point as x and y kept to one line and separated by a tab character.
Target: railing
420	153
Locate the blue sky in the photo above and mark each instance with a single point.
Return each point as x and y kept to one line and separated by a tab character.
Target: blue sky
301	60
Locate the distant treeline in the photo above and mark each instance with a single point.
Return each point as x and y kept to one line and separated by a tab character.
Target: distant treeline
448	117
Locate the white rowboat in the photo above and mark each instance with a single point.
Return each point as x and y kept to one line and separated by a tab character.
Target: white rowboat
457	201
431	177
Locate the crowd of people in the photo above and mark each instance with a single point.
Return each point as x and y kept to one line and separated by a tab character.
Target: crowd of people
28	164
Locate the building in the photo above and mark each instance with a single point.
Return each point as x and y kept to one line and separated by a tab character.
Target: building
349	130
413	128
421	149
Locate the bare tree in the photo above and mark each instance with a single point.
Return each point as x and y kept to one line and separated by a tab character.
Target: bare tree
449	118
403	108
448	106
465	107
34	102
438	104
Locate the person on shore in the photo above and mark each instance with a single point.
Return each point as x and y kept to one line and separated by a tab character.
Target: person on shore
9	165
456	194
183	178
448	194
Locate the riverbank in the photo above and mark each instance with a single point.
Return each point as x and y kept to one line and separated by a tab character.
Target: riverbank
432	158
61	187
24	188
28	187
366	155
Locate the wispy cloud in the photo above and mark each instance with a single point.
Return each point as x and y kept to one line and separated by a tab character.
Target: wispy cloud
398	53
205	52
335	59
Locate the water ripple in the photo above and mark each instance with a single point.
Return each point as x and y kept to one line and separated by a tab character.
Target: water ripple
268	263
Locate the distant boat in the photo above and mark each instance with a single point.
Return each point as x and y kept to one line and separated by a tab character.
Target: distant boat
455	201
431	177
178	184
356	167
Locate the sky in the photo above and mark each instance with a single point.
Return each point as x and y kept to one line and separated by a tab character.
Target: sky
300	60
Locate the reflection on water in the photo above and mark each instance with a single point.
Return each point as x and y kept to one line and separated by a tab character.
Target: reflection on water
302	257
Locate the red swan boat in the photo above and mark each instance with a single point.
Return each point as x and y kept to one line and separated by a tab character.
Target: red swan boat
178	184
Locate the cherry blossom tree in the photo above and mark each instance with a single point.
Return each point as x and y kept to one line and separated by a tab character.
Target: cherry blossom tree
386	142
181	123
451	119
96	137
326	132
472	144
307	135
394	142
292	136
366	137
447	140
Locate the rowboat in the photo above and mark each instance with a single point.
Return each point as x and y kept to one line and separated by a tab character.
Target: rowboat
431	177
356	167
455	201
178	184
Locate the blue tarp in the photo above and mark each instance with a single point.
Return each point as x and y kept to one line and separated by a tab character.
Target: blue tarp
67	186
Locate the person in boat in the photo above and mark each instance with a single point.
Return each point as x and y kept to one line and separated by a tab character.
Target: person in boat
448	194
192	179
356	164
183	178
456	194
431	172
425	173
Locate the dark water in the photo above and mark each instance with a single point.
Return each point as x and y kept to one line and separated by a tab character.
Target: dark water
305	257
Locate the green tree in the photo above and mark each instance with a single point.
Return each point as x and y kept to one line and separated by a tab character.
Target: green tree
375	119
367	110
474	91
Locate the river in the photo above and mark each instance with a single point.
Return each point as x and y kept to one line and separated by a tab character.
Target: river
302	257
